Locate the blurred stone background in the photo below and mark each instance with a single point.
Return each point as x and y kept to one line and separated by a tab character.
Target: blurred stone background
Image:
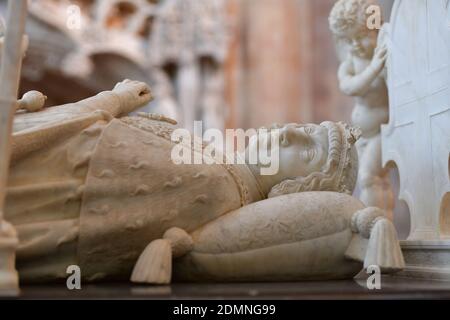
277	57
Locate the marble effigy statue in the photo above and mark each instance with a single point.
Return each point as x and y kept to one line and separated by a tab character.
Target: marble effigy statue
362	75
91	186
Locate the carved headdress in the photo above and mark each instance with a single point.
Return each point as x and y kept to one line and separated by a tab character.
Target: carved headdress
342	155
340	171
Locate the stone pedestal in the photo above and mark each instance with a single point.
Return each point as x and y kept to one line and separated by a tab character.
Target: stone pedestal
426	259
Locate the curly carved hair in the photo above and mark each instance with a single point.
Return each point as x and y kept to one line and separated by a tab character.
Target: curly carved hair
349	15
330	178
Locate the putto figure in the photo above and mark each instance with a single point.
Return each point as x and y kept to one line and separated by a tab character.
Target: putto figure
93	187
361	75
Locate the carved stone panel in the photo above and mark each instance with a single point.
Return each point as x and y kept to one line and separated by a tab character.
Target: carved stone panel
417	137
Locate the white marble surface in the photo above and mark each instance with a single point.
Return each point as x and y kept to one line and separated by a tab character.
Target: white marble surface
417	138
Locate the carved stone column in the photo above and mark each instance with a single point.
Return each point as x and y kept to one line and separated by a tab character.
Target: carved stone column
12	47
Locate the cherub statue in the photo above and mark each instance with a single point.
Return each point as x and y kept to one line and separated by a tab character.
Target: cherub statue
93	187
361	75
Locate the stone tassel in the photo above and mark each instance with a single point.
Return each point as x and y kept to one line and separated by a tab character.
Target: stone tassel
383	249
375	241
154	265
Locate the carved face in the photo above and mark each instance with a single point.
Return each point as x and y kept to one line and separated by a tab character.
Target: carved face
303	149
362	43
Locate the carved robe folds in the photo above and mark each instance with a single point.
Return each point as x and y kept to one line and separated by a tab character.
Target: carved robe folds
132	194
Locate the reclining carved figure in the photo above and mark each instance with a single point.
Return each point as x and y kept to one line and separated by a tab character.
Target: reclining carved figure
93	187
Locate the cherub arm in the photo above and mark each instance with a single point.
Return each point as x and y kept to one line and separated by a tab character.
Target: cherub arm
358	84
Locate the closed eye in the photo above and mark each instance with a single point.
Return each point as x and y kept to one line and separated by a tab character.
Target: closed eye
309	130
309	154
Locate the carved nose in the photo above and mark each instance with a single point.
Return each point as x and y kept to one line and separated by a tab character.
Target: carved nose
302	136
287	135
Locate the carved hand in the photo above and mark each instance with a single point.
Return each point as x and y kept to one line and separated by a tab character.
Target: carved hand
132	94
379	58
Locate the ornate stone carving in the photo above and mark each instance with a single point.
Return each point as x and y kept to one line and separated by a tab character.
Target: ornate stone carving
417	138
420	111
